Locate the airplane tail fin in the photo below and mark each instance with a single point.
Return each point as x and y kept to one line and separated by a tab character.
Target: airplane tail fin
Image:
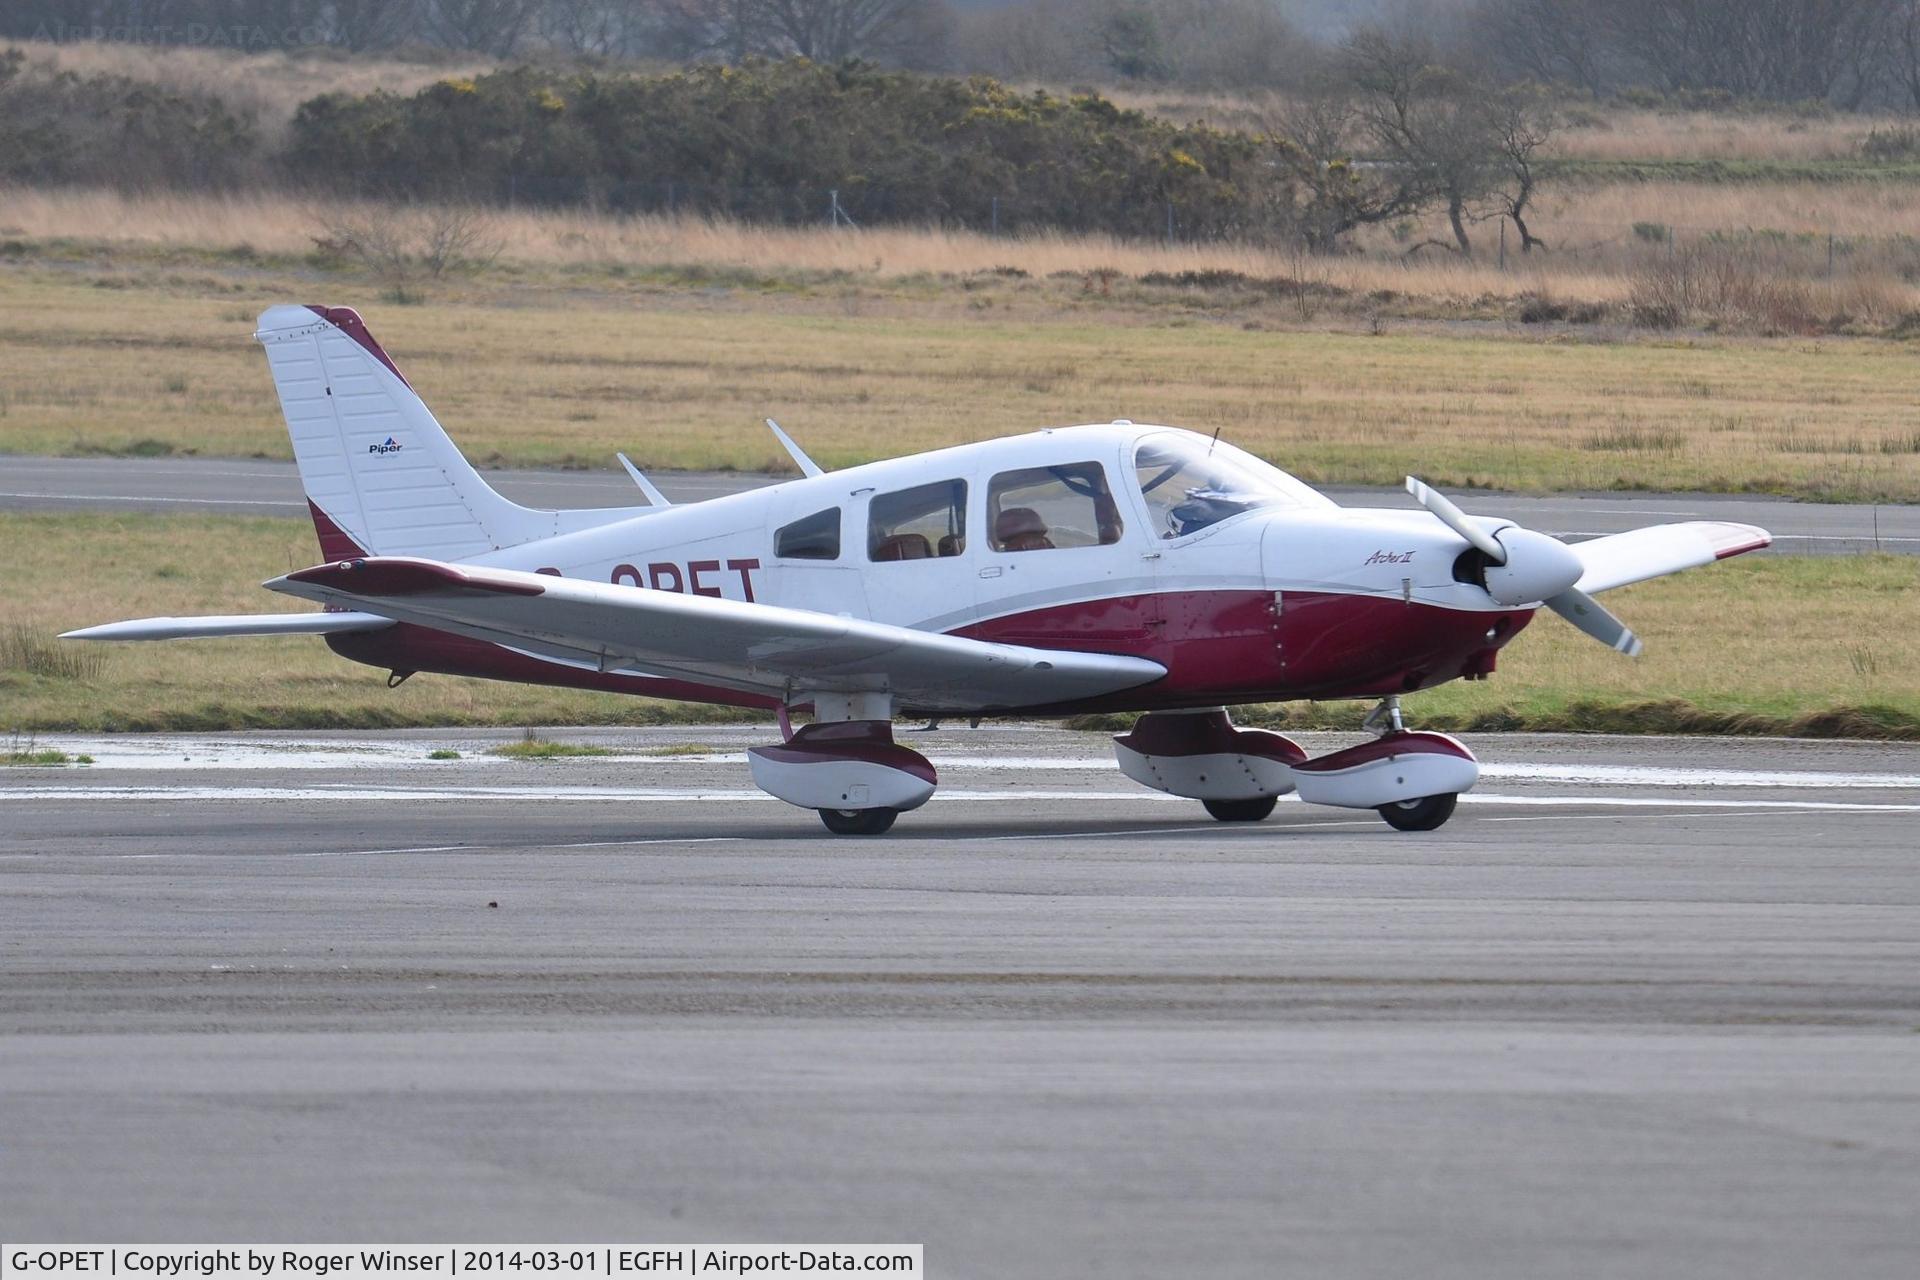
381	475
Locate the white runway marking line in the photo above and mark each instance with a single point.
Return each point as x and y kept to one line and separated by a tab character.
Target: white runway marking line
131	497
621	795
1654	802
406	762
642	796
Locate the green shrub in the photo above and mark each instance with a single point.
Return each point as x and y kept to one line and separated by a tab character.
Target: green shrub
768	141
60	126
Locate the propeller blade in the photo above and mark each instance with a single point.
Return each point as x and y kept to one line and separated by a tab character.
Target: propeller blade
1588	614
1456	519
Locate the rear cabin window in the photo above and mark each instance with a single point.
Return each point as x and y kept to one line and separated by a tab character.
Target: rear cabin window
1046	508
814	537
922	523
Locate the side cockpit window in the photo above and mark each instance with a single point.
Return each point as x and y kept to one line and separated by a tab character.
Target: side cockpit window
814	537
1044	508
923	523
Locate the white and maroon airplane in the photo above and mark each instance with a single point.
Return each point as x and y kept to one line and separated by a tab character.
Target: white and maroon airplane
1115	567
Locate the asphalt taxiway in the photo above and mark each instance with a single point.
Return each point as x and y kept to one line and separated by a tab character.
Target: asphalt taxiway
1644	1007
256	487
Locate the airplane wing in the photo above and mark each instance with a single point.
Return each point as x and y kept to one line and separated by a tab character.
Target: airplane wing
245	624
757	648
1624	558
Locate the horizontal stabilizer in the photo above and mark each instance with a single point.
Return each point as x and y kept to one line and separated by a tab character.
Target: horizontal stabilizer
1660	549
755	648
257	624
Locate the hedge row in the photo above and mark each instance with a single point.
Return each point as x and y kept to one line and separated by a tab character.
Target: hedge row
768	140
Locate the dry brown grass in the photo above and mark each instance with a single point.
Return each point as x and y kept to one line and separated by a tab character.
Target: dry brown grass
1616	133
563	372
1594	257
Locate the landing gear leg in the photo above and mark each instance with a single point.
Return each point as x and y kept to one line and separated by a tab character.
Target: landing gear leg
1385	718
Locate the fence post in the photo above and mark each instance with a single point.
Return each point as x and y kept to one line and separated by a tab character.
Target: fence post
1503	244
1169	222
833	207
1829	255
996	215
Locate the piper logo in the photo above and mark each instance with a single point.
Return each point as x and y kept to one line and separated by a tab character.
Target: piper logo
390	445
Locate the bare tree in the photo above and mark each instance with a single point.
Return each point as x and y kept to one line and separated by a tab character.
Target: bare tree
1314	133
1906	30
484	26
1425	120
1552	41
362	25
1524	119
834	30
608	28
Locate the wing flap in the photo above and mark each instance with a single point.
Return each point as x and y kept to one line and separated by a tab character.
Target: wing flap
1660	549
757	648
215	626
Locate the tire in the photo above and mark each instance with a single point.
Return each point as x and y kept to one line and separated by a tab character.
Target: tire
1241	810
1424	814
858	822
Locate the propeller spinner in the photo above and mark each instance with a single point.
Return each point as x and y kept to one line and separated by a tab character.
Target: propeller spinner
1524	566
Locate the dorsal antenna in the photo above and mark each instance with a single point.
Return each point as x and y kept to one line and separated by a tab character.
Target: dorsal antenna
807	465
654	496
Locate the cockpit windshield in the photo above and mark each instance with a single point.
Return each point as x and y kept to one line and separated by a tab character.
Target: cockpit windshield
1190	484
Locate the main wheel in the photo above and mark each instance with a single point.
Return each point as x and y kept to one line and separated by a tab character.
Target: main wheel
1241	810
1423	814
858	822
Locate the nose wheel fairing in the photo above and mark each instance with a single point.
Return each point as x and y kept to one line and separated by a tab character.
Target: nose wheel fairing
1393	769
1410	777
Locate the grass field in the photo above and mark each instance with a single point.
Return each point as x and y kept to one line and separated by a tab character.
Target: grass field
543	373
1756	645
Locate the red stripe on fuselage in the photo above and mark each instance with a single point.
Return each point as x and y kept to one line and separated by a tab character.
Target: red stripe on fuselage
1219	648
1231	646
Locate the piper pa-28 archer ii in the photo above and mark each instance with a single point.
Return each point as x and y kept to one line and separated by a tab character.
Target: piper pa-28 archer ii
1116	567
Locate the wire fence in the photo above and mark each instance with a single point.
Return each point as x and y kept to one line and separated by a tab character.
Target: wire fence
1797	250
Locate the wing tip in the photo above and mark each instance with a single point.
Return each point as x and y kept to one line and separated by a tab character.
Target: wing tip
1731	540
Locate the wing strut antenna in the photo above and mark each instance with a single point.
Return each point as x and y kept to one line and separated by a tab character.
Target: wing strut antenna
654	496
807	465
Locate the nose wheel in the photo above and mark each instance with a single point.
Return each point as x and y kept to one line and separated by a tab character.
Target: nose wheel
1241	810
1424	814
858	822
